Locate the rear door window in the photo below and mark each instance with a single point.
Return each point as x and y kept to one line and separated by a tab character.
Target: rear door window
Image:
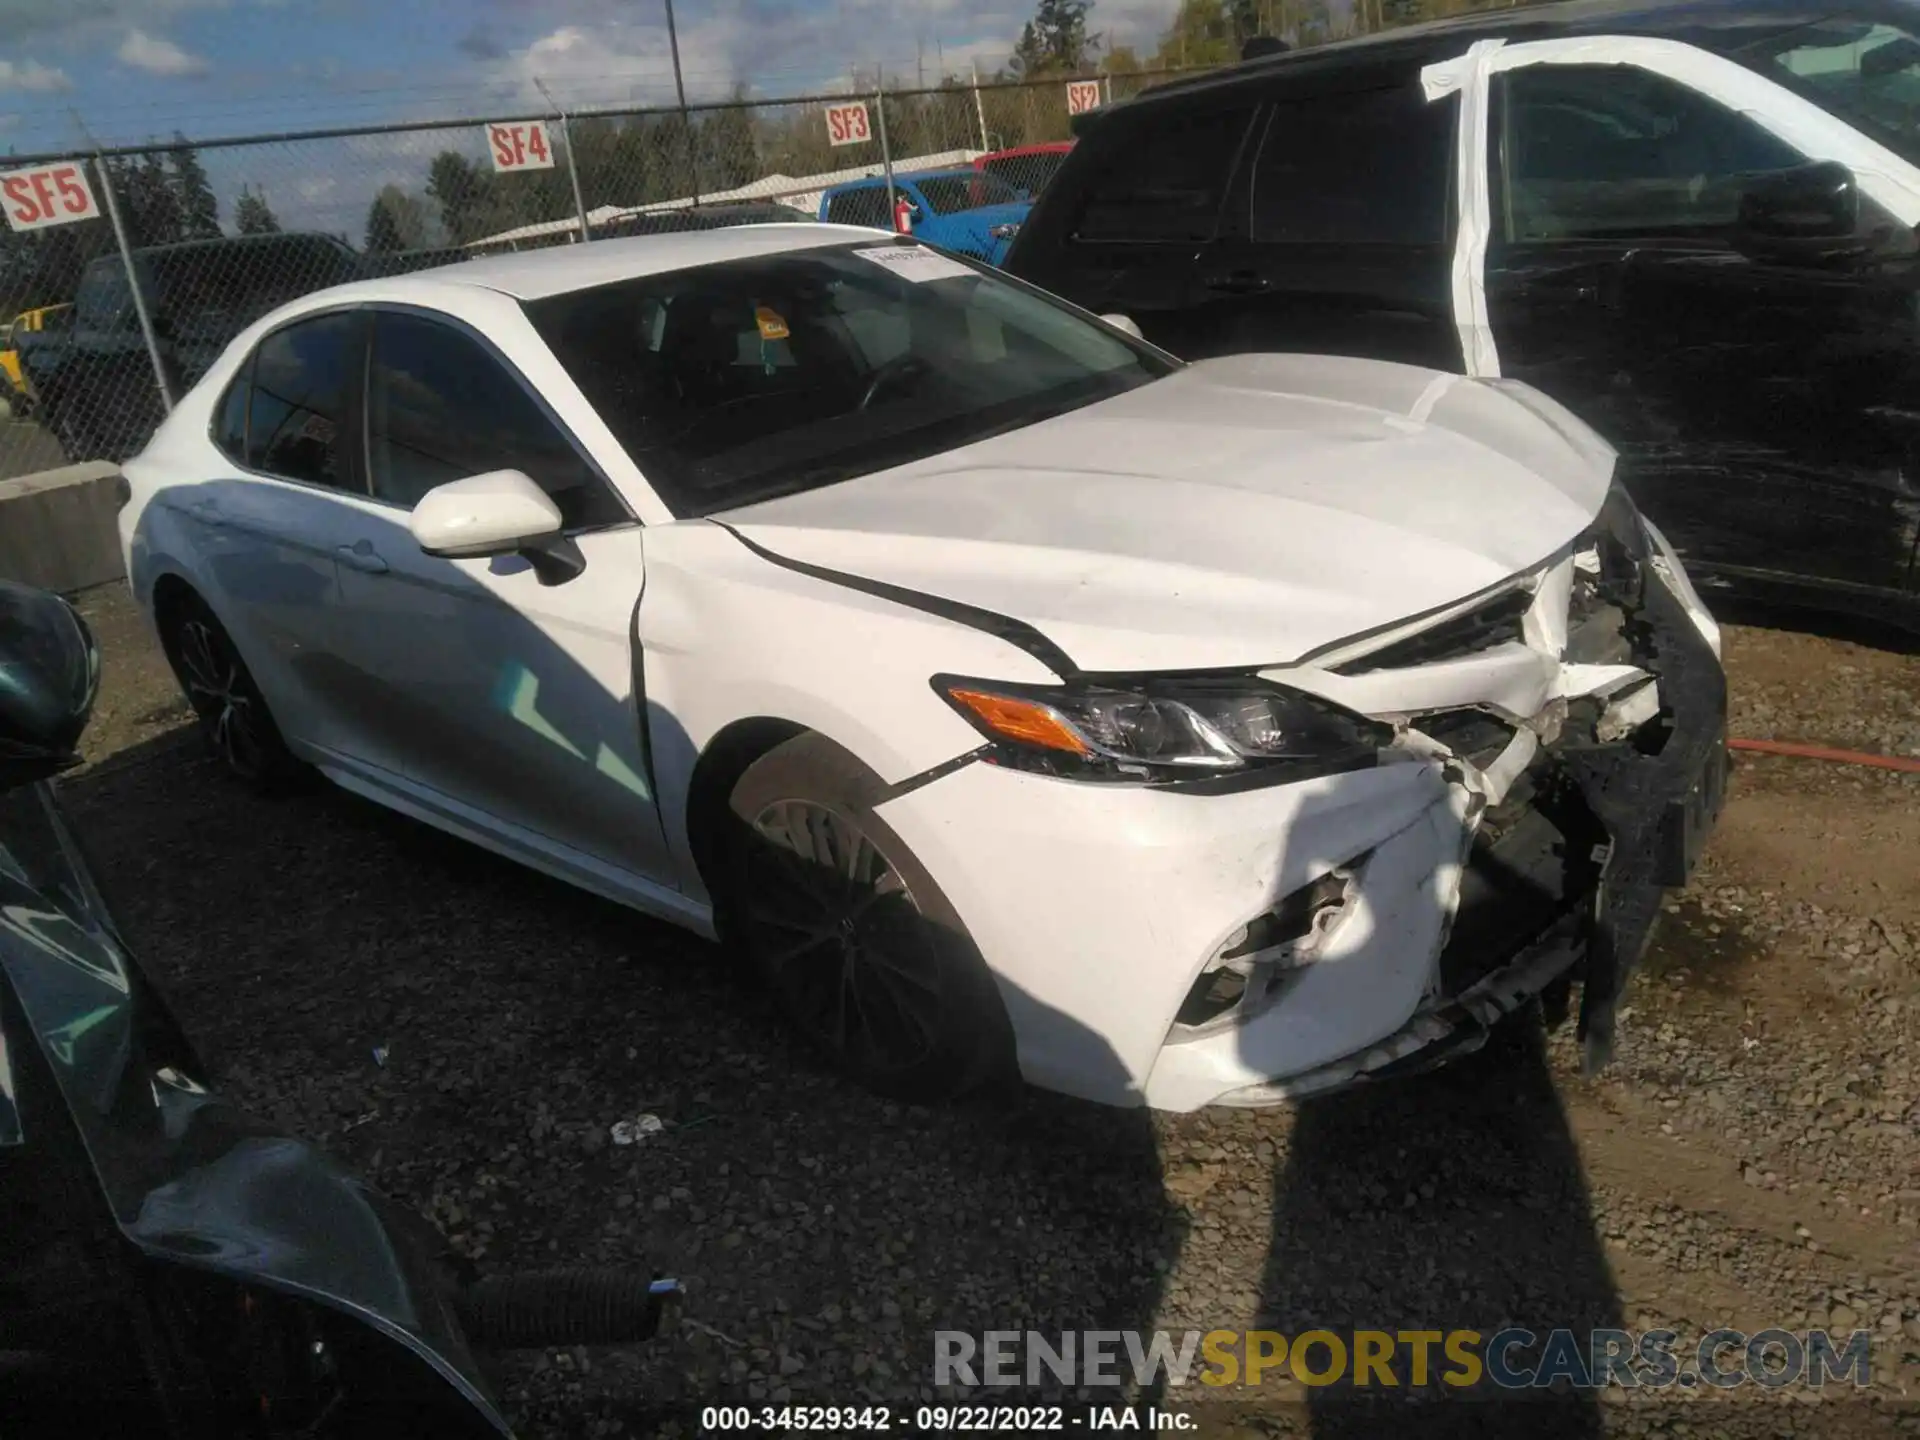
1165	182
298	418
1368	168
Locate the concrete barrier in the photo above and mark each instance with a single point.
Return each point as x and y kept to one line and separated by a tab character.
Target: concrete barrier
57	528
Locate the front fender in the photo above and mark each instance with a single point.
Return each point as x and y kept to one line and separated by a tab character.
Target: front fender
727	635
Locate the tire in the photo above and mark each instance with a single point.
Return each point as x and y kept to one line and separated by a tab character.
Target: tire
864	954
239	729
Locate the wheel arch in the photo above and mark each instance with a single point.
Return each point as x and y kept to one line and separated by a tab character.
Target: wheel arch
724	759
165	594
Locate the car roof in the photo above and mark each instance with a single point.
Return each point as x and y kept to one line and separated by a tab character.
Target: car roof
559	269
1520	22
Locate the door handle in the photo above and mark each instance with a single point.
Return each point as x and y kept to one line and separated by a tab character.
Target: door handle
361	556
1238	282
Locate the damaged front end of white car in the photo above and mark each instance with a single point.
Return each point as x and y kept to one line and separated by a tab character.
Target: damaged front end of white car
1577	715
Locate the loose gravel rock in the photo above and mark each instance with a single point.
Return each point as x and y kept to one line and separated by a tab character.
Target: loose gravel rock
468	1034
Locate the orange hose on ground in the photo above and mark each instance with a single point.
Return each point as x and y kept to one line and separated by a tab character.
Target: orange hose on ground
1823	752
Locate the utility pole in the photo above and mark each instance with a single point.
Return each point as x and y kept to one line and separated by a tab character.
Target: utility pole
979	108
680	89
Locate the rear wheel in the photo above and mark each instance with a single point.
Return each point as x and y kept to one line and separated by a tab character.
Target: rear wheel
861	950
234	719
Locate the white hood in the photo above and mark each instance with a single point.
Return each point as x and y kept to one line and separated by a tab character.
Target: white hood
1242	512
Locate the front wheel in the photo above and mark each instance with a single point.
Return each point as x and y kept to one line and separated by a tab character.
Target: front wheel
234	719
862	951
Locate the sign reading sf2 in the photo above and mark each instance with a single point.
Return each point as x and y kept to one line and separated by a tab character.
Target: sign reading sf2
521	145
847	124
1082	96
44	195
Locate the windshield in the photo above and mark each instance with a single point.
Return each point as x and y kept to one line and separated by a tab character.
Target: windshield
1865	72
950	193
743	381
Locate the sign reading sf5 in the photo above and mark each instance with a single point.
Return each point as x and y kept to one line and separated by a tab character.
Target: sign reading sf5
43	195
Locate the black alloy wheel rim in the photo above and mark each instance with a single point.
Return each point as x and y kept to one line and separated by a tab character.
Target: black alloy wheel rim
221	695
842	938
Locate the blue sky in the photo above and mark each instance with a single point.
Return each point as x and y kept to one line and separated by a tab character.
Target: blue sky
121	72
130	70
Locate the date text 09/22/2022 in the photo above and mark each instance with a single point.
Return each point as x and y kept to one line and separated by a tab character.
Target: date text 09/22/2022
970	1419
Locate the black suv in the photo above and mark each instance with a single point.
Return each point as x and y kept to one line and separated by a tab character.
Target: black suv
1693	224
96	388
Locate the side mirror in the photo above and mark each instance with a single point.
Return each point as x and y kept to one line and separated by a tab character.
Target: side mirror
49	675
492	514
1124	323
1809	213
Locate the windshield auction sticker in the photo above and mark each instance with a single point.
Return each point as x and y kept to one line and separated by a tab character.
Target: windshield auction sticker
915	262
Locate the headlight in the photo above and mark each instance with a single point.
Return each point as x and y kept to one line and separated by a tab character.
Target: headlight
1164	730
1005	232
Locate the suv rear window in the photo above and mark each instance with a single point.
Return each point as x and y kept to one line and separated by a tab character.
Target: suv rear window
1368	168
865	206
1166	182
104	298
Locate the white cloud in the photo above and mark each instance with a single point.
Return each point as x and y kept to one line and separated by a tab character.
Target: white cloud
158	56
31	75
604	57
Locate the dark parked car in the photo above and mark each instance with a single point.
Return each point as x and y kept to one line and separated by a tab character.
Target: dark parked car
96	388
170	1267
1691	223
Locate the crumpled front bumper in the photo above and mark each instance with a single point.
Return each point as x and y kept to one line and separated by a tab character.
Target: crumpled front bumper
1476	868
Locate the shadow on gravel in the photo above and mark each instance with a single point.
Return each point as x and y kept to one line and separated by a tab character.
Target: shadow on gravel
824	1234
1850	629
1447	1201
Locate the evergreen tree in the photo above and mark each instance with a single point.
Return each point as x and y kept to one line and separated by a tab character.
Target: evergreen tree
383	232
396	221
1055	40
728	154
195	204
462	190
252	216
149	204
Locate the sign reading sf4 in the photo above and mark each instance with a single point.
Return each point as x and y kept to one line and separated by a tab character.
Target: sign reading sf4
520	145
44	195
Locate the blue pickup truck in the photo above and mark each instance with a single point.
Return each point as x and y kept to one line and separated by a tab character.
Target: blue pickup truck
961	210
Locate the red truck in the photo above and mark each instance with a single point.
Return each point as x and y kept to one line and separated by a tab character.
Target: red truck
1027	168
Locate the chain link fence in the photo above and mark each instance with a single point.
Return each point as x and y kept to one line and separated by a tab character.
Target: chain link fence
178	248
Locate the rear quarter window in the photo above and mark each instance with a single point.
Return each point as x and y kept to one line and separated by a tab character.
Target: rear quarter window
1371	167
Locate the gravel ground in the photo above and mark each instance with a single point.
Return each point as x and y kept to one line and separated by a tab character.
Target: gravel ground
1751	1159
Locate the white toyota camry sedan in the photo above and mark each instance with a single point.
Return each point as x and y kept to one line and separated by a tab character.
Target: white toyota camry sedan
1018	699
